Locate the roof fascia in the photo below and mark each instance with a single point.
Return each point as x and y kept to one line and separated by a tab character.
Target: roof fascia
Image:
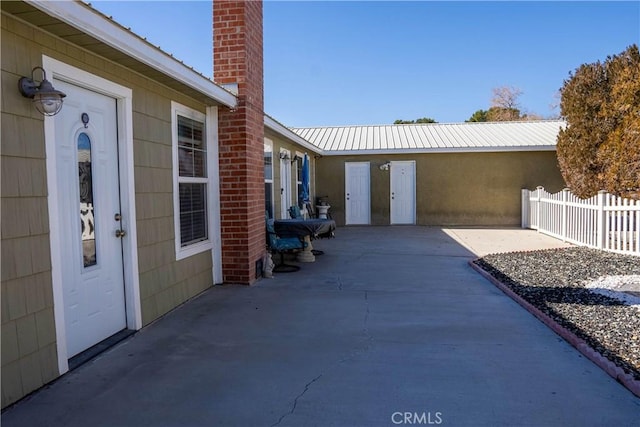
89	21
285	132
525	148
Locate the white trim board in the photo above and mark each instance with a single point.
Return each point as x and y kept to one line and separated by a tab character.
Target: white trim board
214	192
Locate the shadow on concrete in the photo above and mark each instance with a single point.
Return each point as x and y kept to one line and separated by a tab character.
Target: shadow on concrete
547	298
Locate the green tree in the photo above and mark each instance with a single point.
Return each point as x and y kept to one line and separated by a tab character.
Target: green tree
478	116
600	148
409	122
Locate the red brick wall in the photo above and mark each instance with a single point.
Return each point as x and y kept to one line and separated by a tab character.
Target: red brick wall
237	58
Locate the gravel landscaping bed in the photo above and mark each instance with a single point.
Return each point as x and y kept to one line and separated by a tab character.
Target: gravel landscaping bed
576	287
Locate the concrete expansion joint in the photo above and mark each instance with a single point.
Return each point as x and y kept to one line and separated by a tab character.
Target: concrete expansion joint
295	401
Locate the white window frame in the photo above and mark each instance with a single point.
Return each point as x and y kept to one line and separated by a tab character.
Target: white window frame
298	172
269	143
209	135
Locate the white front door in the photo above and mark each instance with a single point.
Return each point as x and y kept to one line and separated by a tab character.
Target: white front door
357	193
89	217
403	192
285	183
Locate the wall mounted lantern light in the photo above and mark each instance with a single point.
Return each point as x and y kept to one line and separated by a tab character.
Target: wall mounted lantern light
46	98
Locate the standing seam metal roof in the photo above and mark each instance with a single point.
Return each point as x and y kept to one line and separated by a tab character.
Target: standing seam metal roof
435	137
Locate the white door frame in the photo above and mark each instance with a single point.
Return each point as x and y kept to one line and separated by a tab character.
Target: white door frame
347	210
268	145
57	70
411	192
285	183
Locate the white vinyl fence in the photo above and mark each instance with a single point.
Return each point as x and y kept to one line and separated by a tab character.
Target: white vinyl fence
603	221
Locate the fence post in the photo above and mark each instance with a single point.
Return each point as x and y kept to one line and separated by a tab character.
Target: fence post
524	216
565	200
539	189
601	220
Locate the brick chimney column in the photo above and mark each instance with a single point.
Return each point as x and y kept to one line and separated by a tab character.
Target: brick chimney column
238	58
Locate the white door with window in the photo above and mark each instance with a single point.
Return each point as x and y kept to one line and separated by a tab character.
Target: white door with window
89	218
403	192
285	183
357	193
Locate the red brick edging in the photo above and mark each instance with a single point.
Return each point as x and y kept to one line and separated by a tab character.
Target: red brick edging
602	362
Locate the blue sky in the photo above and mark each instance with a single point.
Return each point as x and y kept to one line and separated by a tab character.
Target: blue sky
371	62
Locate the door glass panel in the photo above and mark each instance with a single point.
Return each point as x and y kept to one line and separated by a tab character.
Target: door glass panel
86	201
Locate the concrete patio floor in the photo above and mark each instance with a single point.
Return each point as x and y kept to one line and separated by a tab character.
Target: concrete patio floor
389	323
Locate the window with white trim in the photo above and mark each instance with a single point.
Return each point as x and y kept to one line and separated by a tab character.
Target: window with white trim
268	176
191	181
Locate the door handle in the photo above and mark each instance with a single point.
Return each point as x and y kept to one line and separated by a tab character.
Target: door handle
120	233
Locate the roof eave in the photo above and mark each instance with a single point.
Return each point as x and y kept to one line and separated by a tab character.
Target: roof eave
86	19
287	133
